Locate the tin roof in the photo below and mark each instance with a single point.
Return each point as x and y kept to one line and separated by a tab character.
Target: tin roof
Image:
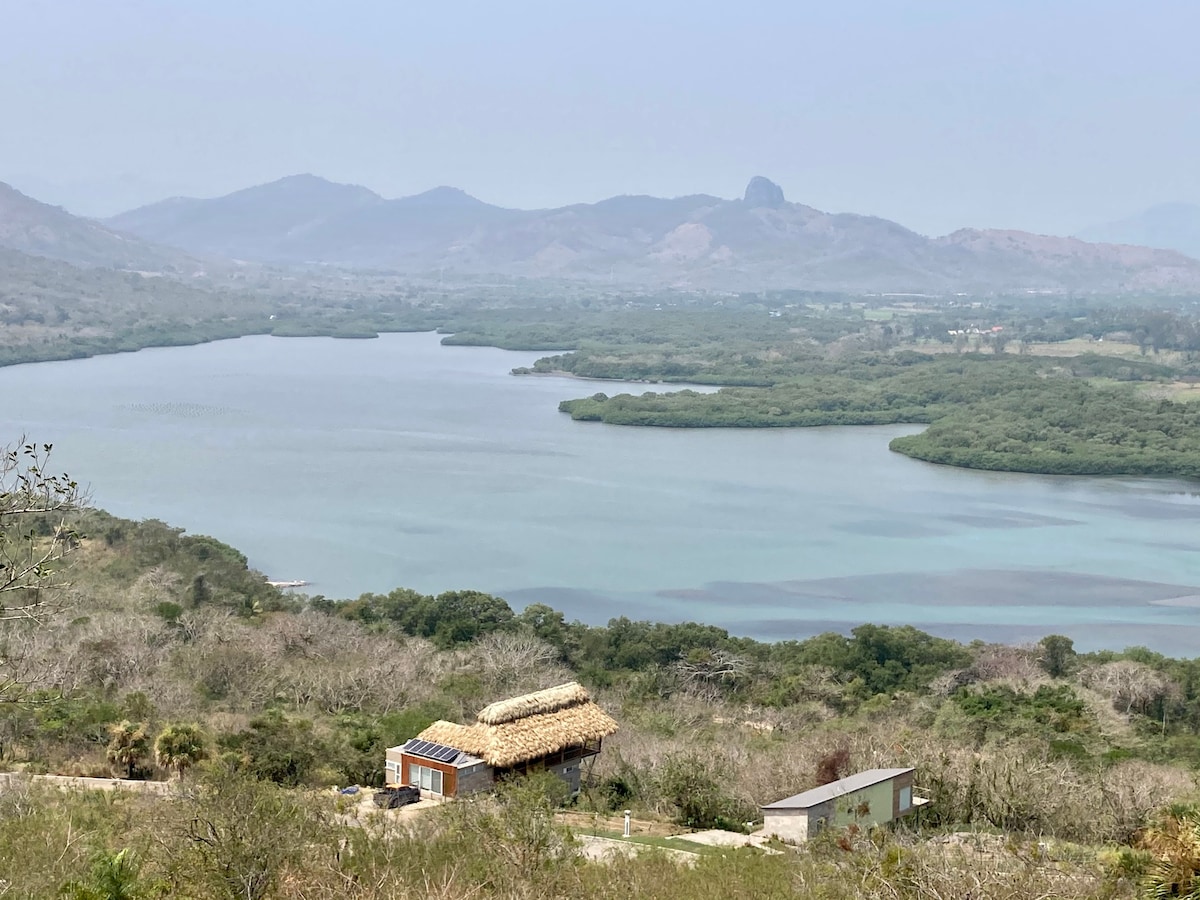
835	789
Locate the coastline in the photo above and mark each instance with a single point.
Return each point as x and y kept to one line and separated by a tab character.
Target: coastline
522	371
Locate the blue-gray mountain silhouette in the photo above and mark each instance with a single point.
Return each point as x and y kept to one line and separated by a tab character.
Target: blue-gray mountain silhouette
760	240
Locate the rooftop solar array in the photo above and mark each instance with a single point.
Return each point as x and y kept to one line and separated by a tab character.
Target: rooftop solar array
430	750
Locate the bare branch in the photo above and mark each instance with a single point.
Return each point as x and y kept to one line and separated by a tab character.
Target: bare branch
35	538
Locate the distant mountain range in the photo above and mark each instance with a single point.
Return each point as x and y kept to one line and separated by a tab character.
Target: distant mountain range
38	229
1172	226
757	241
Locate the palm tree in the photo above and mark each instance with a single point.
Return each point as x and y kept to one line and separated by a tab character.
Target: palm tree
114	876
129	744
180	746
1175	842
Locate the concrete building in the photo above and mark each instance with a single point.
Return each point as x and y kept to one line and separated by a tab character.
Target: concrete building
874	797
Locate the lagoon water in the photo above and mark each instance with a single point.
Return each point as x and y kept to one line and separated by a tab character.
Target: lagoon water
366	465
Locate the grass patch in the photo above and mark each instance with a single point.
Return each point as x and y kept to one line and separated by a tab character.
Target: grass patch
675	842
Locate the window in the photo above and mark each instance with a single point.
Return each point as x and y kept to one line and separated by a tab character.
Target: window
424	777
905	798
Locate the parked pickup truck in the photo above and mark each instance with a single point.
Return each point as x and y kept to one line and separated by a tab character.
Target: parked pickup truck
393	797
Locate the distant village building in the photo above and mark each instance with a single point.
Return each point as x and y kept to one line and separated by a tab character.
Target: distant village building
874	797
554	730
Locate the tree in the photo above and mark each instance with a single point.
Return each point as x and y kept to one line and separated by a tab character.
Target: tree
201	593
512	661
233	836
516	825
129	744
697	791
833	765
180	747
459	617
707	672
114	876
1131	685
1174	839
34	539
1058	652
275	748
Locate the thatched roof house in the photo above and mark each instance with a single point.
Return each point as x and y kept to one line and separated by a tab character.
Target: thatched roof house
552	729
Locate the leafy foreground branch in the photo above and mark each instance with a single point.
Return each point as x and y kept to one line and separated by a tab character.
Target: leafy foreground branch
35	538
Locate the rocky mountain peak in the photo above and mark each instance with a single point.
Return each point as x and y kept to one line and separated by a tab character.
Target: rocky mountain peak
763	192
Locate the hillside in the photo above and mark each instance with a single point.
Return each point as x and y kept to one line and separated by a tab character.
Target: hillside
38	229
1043	766
1173	226
252	223
757	241
51	309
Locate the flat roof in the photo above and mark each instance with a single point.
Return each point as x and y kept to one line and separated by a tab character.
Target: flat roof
835	789
436	752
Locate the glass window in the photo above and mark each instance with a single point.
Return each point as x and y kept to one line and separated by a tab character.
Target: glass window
905	798
425	777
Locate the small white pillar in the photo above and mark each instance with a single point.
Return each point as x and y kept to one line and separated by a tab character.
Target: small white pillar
626	823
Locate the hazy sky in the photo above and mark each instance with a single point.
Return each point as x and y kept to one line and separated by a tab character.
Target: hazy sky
1046	115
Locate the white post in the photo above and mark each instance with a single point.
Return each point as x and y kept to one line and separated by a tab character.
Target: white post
626	823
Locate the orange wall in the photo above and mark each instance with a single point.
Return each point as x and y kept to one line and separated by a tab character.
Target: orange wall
449	773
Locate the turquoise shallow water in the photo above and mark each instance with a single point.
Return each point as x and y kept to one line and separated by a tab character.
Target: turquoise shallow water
364	465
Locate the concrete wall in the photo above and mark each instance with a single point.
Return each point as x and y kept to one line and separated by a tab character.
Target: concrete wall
473	779
787	824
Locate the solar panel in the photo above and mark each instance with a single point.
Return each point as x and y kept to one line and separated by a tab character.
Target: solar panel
430	750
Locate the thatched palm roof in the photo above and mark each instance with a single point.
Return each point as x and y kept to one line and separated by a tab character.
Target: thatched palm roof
510	732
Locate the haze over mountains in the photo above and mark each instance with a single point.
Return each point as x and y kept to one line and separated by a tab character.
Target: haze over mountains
1172	226
38	229
759	240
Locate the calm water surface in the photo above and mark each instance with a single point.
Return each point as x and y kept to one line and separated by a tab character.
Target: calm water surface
365	465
